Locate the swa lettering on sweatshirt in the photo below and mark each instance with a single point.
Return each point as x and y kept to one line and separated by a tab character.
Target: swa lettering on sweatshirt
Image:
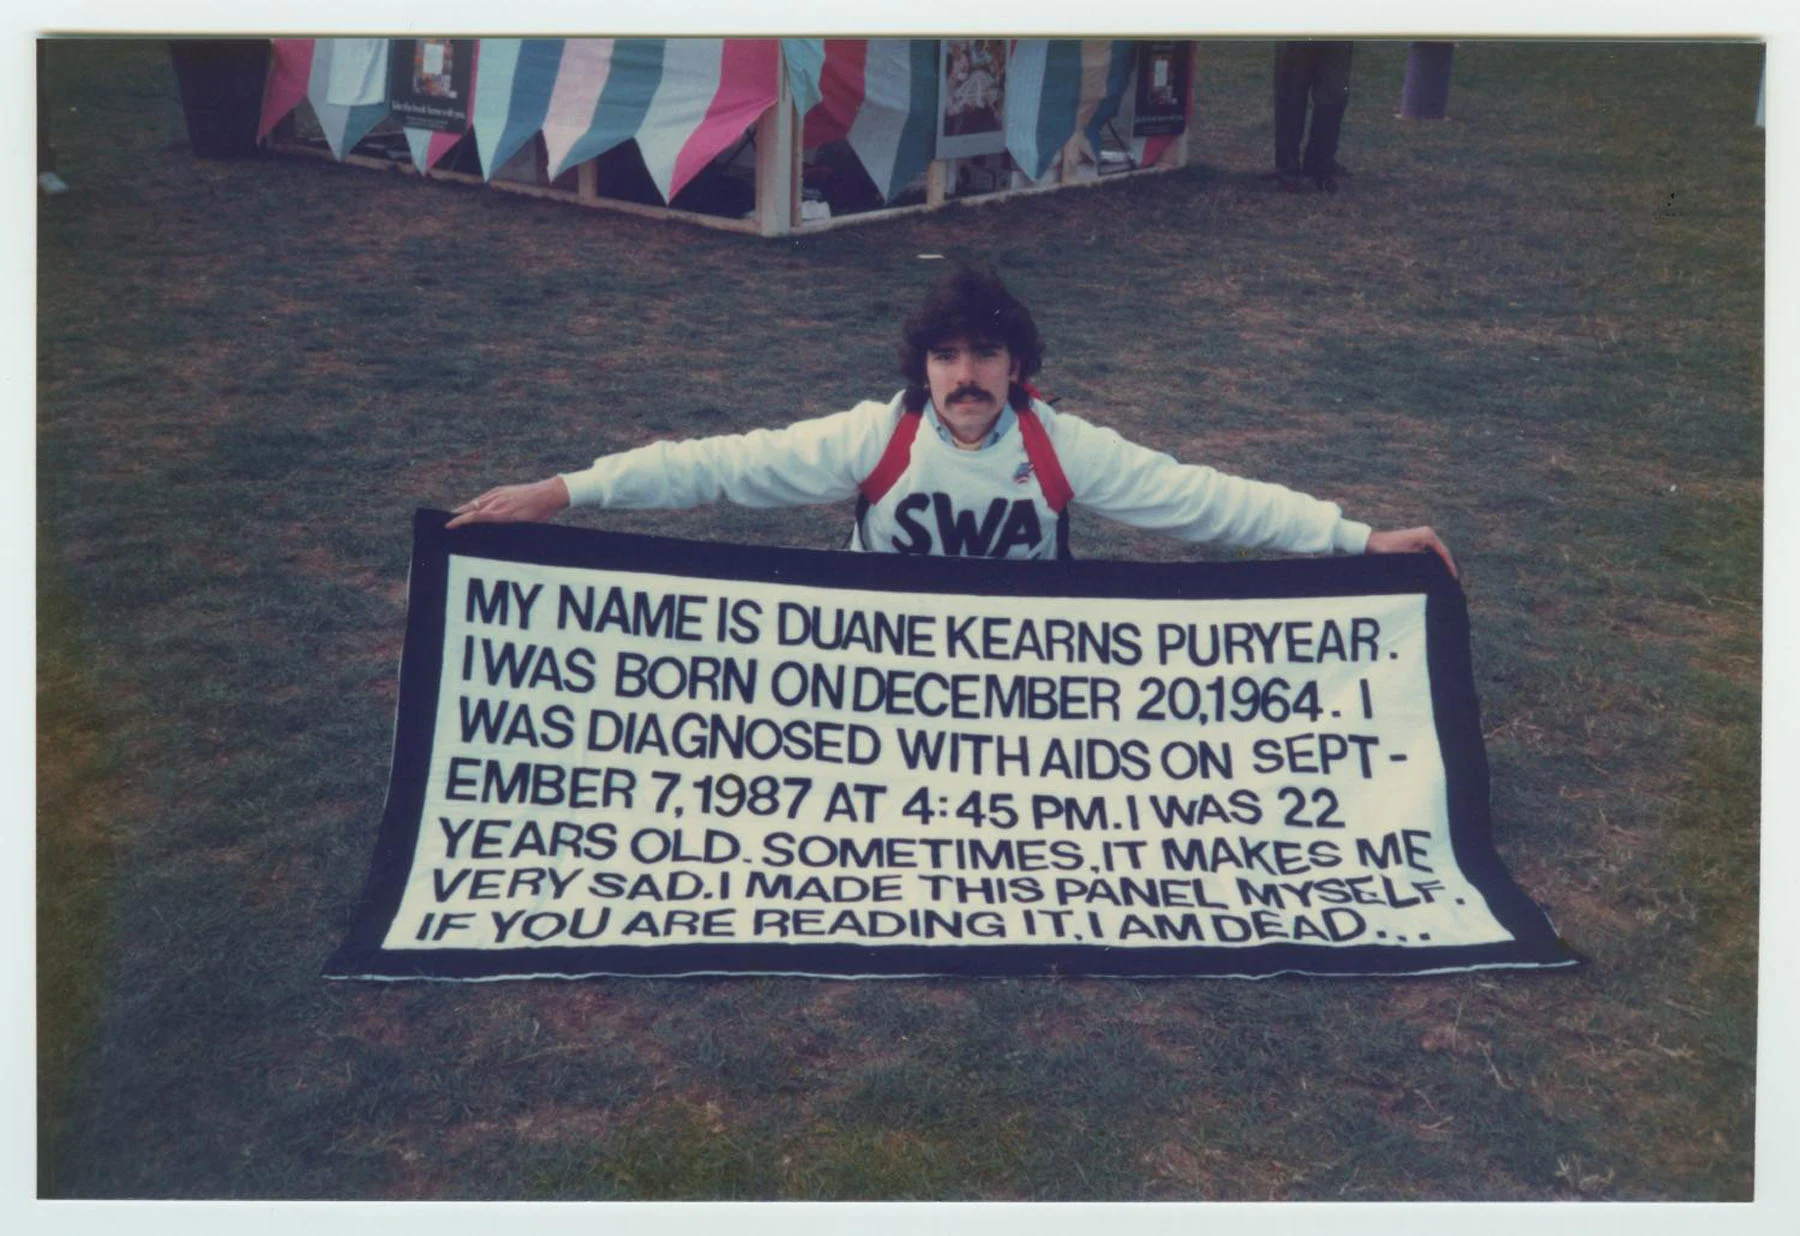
932	523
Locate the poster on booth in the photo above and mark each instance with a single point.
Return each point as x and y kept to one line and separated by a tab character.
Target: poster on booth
623	755
430	83
971	97
1159	103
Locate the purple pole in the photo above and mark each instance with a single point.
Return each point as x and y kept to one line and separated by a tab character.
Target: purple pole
1427	90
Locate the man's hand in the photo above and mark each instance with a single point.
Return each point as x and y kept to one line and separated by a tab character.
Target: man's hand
1411	541
511	504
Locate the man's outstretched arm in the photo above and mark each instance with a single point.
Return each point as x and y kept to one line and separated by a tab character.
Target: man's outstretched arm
818	460
505	504
1411	541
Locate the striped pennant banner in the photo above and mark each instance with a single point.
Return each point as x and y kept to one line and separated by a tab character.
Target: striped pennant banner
1109	63
840	92
1062	91
575	112
290	68
601	98
1040	104
339	71
514	96
683	100
805	61
895	130
359	72
711	91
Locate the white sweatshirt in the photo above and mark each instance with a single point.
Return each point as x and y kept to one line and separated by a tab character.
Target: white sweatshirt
966	503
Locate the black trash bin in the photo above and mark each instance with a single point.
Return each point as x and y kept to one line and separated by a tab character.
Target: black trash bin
221	84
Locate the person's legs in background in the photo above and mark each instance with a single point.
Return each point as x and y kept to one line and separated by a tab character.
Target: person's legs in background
1330	97
1293	77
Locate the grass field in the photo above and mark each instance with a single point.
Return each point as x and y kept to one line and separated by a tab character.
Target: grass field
1537	325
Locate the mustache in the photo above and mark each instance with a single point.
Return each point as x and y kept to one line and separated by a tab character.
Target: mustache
969	392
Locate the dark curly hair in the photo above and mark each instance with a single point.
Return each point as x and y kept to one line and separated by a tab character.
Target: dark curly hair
972	304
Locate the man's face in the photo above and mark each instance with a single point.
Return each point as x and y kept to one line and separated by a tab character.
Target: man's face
969	380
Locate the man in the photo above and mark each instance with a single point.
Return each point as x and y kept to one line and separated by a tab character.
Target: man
1321	69
964	461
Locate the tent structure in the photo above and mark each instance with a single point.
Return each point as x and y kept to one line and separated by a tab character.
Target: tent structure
926	121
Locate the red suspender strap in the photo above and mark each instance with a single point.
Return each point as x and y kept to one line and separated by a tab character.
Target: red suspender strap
894	459
1043	461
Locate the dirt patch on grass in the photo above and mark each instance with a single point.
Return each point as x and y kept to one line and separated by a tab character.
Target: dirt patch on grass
1585	911
318	562
549	1124
1186	1166
379	1026
578	1017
